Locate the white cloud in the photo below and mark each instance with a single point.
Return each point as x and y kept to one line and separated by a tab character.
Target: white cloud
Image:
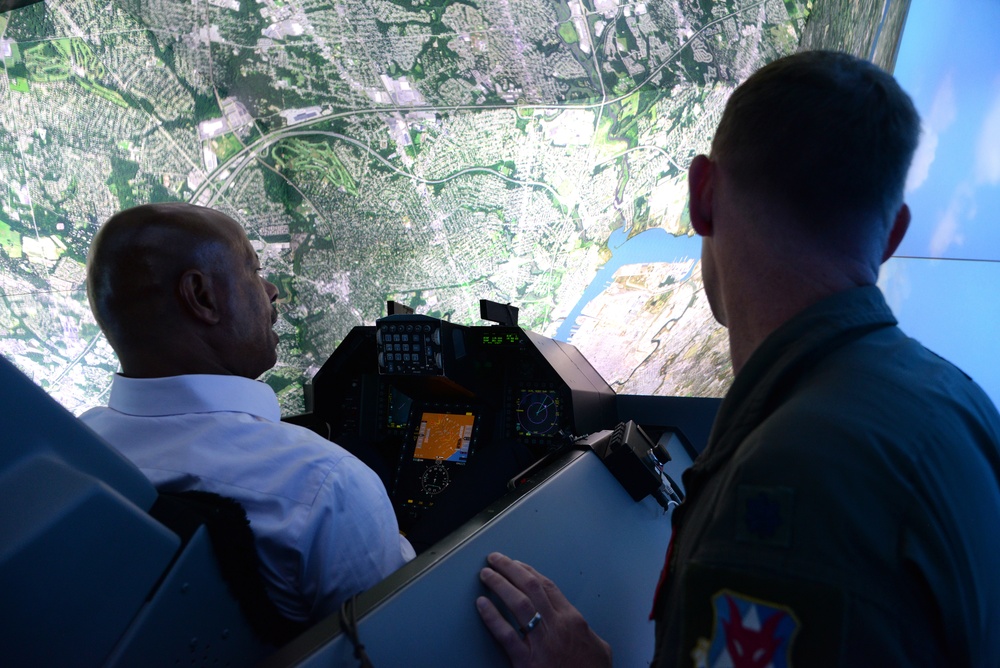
948	231
944	108
962	207
894	281
942	114
923	158
987	168
946	234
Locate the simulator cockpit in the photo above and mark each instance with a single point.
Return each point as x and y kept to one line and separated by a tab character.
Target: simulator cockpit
449	414
486	437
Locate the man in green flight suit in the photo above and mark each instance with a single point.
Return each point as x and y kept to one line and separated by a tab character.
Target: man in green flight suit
845	509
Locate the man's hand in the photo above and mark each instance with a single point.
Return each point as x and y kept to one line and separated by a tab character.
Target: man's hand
558	636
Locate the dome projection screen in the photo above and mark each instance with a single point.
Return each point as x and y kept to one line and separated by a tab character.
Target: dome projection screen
433	153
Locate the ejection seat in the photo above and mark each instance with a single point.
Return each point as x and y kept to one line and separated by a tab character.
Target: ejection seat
87	576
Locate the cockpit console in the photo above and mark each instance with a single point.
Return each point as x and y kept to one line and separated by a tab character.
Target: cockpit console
447	414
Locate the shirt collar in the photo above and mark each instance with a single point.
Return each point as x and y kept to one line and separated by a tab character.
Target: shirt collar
815	327
790	351
193	393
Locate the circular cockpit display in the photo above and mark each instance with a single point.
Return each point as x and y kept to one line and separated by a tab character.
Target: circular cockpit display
538	413
434	479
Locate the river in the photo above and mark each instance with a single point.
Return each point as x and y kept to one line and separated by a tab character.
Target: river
655	245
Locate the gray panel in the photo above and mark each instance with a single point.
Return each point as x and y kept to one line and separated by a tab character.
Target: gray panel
34	424
578	526
191	621
76	561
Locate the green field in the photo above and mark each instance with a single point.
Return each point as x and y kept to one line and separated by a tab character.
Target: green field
10	241
314	158
65	59
20	84
226	146
568	32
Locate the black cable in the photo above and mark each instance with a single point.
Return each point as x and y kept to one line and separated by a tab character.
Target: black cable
349	623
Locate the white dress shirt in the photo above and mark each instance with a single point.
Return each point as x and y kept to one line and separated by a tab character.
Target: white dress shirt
323	524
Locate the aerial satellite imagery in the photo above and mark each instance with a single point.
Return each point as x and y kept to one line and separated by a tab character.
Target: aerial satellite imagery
433	153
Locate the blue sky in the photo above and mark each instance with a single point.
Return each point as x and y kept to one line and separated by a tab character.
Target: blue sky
949	62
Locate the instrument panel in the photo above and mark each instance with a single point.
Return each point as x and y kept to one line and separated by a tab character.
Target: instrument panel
539	413
447	414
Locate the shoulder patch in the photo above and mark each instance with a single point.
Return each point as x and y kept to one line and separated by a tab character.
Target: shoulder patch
735	618
765	515
747	632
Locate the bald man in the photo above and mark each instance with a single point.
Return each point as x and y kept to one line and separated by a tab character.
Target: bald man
845	509
178	292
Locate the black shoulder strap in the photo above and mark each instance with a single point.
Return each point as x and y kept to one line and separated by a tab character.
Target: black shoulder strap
233	544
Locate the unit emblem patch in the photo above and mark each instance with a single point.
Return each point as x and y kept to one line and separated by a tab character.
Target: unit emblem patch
747	633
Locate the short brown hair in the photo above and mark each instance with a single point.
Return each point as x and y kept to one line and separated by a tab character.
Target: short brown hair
828	134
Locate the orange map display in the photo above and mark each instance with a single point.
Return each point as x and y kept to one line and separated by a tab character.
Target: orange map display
444	436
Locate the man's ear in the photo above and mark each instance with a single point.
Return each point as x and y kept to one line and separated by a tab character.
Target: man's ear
898	231
198	297
700	190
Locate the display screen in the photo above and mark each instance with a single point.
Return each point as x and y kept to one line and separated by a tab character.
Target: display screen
941	283
433	153
506	339
445	437
539	413
398	409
